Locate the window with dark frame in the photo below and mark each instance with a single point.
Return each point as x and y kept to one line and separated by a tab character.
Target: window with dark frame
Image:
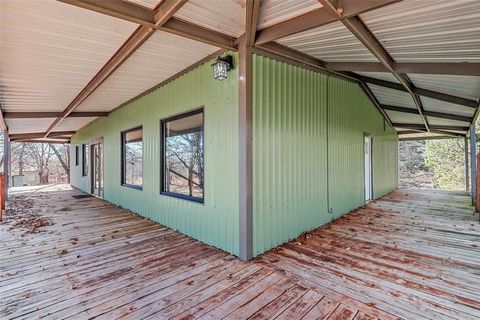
85	159
183	156
132	158
77	155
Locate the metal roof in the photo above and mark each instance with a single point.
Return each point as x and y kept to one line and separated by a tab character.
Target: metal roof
428	30
53	51
226	16
331	42
160	57
275	11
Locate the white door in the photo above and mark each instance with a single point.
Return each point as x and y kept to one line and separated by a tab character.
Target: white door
368	168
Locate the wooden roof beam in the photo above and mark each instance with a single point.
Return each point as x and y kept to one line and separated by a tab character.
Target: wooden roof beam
3	123
317	18
445	68
40	115
363	34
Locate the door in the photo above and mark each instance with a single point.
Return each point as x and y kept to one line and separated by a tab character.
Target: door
368	168
97	169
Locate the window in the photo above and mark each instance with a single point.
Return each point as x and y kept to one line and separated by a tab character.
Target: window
132	158
85	160
182	156
77	155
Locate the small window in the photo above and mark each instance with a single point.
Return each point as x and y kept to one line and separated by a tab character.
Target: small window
77	155
85	159
132	158
182	156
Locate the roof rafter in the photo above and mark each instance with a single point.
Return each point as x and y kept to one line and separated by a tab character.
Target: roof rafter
39	115
422	92
462	68
253	11
317	18
161	19
163	13
38	135
434	127
434	114
365	36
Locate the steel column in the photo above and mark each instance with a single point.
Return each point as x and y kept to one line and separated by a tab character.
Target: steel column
245	149
473	162
467	174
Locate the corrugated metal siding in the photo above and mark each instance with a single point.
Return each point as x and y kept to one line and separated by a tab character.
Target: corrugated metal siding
216	222
331	42
293	142
289	116
379	75
276	11
403	117
428	30
226	16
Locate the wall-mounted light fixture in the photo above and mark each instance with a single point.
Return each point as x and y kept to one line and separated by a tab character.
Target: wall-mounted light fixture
221	66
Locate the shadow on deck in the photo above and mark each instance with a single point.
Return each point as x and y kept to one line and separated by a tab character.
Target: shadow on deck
412	255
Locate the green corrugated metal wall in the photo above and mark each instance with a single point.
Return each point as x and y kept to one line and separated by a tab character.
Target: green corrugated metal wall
216	222
308	134
307	157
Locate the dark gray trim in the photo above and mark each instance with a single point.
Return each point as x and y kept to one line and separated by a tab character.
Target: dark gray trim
163	159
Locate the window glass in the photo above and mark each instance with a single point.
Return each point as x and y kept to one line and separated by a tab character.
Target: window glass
85	159
132	157
77	155
183	162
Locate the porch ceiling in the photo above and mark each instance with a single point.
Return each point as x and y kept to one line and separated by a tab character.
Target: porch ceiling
418	60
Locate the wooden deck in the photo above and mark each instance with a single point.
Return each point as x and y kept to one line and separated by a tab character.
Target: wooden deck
412	256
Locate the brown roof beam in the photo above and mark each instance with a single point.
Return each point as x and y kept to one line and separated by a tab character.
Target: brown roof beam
39	115
118	9
140	35
317	18
422	92
161	19
463	68
434	114
253	11
419	126
61	141
363	34
36	135
194	32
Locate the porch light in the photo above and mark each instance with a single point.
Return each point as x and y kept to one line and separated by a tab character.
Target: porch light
221	66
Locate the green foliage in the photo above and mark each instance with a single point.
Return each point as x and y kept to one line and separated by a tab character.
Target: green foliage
446	159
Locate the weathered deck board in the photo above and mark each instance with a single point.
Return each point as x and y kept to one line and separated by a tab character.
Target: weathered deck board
414	256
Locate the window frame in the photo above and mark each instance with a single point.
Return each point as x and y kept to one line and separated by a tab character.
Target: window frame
163	158
86	168
122	158
77	156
